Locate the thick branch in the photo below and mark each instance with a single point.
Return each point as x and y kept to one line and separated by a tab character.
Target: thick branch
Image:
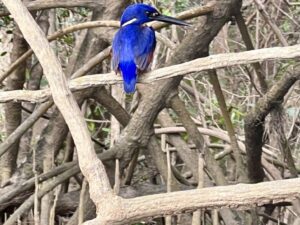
197	65
240	196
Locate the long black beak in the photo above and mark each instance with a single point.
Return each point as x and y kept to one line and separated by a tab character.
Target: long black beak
169	19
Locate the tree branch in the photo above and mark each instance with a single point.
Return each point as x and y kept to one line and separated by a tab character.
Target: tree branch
240	166
48	4
240	196
194	66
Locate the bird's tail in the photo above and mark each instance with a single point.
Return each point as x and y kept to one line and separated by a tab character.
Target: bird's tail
128	70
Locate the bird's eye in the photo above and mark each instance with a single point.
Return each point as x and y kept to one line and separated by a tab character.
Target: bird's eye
147	13
155	14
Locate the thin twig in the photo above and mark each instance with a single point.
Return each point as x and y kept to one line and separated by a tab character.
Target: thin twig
268	19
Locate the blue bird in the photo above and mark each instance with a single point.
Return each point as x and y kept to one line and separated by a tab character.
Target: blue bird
134	43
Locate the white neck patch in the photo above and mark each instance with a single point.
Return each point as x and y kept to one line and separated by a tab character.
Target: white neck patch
129	22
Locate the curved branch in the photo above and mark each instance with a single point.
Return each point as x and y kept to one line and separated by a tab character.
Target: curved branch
254	123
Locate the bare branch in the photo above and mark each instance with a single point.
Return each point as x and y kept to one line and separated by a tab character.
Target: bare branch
48	4
197	65
240	196
240	166
215	197
248	42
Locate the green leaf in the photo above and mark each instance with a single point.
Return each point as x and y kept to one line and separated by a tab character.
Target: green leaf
105	129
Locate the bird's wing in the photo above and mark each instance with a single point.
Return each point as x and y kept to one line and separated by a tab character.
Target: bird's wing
116	51
143	50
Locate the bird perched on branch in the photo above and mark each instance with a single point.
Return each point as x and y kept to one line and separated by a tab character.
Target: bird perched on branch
134	43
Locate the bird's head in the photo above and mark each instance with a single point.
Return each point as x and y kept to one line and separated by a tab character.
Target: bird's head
142	13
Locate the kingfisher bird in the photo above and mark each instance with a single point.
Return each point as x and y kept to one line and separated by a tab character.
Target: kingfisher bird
134	43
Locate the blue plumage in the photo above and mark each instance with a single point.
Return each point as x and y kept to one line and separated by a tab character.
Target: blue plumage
133	47
134	43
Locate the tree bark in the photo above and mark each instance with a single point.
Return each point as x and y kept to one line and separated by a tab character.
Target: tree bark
13	111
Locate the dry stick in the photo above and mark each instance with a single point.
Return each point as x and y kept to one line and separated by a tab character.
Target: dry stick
188	14
197	214
29	184
215	217
268	19
285	13
10	140
92	62
247	40
240	166
291	3
91	166
81	207
268	217
130	168
117	177
68	157
36	214
194	66
192	13
165	148
44	4
52	211
29	202
179	107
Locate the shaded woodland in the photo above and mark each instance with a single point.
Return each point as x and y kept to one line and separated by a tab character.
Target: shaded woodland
210	137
